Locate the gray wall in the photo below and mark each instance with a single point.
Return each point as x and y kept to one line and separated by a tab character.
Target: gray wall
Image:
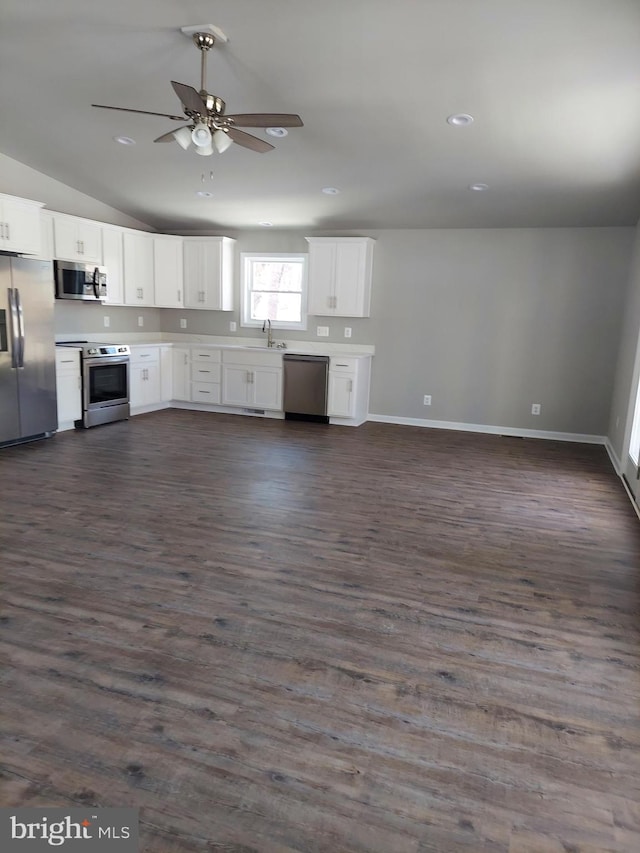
621	411
18	179
80	320
486	321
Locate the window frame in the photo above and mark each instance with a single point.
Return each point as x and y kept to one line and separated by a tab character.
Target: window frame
246	289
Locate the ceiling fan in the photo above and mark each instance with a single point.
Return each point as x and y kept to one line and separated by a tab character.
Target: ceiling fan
209	128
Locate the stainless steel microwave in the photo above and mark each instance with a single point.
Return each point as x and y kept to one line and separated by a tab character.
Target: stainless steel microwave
80	281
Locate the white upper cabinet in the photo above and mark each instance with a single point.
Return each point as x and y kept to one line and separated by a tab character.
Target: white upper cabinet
19	225
340	271
77	239
113	260
167	264
208	273
138	268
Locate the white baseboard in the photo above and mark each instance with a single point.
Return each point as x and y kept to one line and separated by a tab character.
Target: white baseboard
516	432
613	456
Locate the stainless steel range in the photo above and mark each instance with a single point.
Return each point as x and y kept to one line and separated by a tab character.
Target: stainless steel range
105	382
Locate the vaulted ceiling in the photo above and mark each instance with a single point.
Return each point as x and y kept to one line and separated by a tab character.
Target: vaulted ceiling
553	87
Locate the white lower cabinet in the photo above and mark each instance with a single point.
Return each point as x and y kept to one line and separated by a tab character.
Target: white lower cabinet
205	375
251	379
69	387
180	373
145	387
349	390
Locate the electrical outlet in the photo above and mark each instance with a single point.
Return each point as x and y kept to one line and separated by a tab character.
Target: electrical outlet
347	331
183	322
233	326
141	321
427	400
322	331
106	321
535	408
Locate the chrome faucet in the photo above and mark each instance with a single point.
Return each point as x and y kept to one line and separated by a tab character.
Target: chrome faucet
266	327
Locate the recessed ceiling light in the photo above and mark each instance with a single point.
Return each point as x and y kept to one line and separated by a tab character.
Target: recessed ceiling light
479	188
460	119
204	193
124	140
266	224
277	131
330	190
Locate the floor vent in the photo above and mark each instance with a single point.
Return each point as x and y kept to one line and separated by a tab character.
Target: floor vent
253	411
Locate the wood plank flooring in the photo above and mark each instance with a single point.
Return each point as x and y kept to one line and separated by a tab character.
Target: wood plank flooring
272	636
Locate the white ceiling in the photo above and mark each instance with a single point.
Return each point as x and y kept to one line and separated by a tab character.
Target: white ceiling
554	86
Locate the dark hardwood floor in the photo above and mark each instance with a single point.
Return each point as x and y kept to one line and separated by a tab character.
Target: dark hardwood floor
272	636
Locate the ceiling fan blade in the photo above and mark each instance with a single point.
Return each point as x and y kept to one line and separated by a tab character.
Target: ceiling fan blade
144	112
265	120
189	98
249	141
169	137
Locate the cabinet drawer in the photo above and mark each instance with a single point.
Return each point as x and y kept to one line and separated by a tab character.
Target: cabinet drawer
202	392
67	360
204	372
206	356
145	355
343	365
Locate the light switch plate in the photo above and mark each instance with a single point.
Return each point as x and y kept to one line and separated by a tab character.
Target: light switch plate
106	321
141	321
322	331
232	325
183	322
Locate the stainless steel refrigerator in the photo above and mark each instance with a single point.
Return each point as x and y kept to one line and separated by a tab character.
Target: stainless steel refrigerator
28	407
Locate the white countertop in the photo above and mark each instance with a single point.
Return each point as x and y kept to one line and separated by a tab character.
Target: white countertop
134	339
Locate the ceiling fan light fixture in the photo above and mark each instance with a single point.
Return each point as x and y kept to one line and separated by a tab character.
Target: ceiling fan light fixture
183	137
222	141
201	135
204	150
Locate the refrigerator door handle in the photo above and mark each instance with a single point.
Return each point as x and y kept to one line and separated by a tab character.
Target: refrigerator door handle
20	326
15	329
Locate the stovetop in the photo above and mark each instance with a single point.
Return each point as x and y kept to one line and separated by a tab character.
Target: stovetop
89	349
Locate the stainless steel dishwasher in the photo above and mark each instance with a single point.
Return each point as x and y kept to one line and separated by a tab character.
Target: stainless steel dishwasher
305	387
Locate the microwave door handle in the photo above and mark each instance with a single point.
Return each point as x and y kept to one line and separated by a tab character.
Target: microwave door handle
96	291
15	329
20	326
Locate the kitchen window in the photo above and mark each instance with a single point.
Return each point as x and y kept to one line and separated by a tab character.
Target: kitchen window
274	287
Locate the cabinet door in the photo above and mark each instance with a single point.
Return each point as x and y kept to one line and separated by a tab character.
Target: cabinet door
235	385
144	385
181	369
350	279
112	256
138	269
136	385
69	397
20	226
322	262
77	240
341	395
194	260
167	277
66	243
90	239
266	388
